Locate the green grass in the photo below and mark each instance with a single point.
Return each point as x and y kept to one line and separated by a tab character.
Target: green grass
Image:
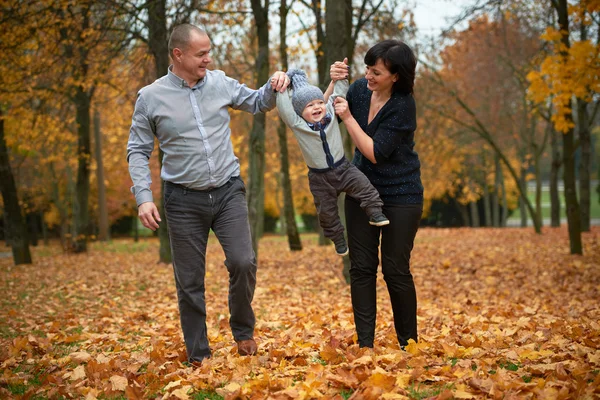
203	394
121	246
346	394
425	391
594	203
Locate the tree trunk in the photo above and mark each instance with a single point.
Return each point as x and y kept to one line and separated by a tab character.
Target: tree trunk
585	143
15	225
44	229
554	171
538	190
496	193
136	230
522	201
158	43
571	203
286	186
474	214
464	213
487	207
256	168
32	223
504	215
103	234
338	33
81	223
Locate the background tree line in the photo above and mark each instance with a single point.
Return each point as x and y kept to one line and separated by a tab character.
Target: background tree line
508	95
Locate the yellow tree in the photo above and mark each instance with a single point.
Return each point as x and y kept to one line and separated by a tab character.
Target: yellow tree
571	70
479	88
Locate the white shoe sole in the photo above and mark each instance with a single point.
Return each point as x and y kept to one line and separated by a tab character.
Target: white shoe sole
381	223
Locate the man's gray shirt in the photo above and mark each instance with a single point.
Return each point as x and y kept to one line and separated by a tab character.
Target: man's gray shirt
192	128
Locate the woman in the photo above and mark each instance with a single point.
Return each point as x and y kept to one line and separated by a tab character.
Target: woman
380	115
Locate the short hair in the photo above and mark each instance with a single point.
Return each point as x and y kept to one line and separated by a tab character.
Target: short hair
180	36
399	59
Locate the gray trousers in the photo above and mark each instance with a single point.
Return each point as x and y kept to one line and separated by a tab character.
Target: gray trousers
190	215
326	187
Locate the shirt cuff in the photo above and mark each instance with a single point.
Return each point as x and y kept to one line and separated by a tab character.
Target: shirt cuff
143	196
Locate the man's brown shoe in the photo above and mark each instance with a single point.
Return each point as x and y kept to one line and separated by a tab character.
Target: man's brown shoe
247	347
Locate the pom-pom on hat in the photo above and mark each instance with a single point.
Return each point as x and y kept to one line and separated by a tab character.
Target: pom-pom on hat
304	92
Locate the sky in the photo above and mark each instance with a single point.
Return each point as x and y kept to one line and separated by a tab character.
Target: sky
432	16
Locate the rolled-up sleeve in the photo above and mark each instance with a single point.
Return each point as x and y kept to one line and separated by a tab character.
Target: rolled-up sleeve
139	150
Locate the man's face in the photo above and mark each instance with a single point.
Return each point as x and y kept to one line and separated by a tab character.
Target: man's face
194	58
314	111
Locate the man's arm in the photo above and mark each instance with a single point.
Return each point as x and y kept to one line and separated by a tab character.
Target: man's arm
261	100
139	150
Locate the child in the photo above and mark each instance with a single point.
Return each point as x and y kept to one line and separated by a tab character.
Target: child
329	173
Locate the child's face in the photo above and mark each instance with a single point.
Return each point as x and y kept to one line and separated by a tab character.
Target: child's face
314	111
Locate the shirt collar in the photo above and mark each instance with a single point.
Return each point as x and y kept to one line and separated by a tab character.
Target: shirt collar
317	126
179	82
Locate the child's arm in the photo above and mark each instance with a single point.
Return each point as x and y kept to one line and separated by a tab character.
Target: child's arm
340	88
286	109
329	91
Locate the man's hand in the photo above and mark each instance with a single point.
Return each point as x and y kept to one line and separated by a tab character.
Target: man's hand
280	81
339	70
149	215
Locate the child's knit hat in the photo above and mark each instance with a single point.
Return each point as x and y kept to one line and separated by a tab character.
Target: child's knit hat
304	92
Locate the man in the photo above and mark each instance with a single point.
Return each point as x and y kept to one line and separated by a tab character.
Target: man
187	111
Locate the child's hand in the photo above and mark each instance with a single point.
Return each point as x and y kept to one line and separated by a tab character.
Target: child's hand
341	108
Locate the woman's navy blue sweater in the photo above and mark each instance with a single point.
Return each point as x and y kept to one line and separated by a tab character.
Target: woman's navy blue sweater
397	174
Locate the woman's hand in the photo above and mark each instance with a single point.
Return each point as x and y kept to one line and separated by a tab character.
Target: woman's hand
339	70
341	108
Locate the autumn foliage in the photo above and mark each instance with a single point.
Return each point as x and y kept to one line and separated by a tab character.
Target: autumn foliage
502	314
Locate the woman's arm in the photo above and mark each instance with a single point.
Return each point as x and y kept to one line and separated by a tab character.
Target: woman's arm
359	137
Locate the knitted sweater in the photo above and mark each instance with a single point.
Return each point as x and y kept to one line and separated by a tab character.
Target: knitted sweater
397	174
313	142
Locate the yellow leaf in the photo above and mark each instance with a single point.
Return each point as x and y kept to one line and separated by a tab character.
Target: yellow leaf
182	393
80	356
78	373
172	385
118	382
415	348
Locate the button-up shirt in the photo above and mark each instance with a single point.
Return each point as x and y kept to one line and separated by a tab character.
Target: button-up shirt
192	128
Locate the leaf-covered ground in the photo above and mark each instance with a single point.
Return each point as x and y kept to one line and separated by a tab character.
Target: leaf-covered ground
503	313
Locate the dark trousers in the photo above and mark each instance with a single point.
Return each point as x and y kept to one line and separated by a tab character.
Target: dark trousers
397	240
190	216
326	187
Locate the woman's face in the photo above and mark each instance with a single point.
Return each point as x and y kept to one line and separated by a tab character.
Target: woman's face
379	77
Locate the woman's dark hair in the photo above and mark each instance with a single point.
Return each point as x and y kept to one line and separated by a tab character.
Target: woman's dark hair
399	59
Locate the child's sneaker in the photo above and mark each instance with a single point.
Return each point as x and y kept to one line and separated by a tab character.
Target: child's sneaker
341	248
379	220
